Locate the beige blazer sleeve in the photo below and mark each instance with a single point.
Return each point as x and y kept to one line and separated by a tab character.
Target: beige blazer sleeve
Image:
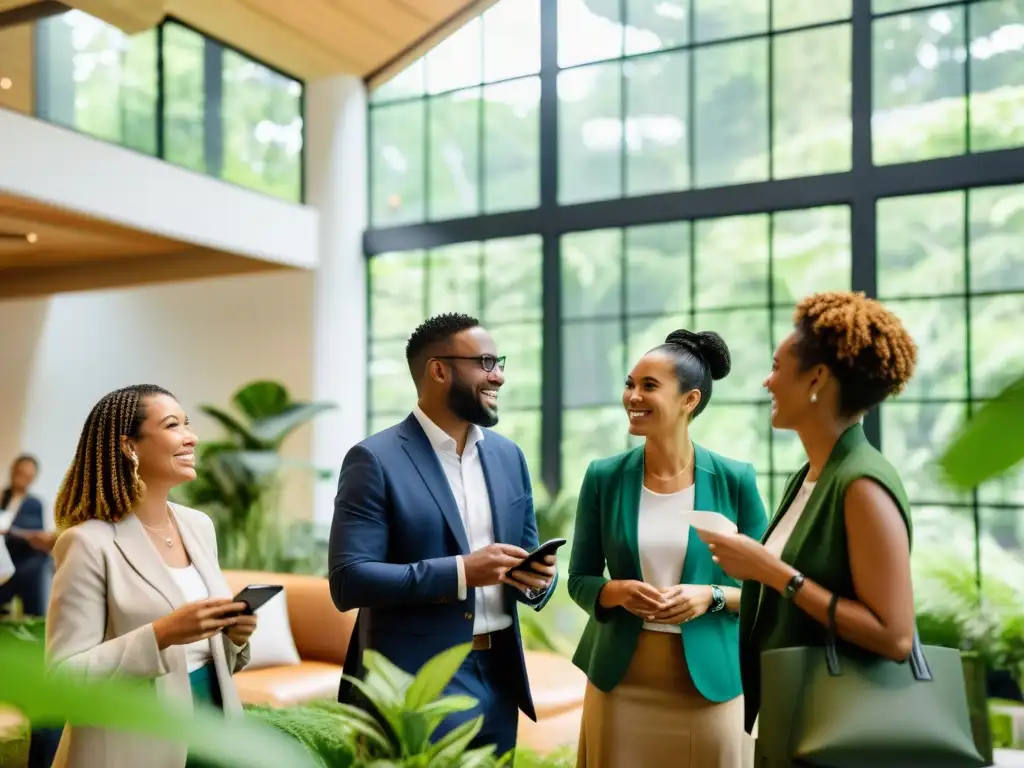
77	621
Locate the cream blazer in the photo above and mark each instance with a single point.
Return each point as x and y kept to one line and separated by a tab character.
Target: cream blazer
109	586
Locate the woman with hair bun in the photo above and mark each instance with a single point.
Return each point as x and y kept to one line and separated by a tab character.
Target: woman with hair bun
661	648
842	532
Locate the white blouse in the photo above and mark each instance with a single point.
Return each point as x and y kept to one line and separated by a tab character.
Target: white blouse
663	533
189	580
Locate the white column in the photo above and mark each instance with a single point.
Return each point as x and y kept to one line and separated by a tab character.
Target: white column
336	184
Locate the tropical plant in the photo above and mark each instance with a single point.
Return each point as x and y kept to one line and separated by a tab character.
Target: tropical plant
50	698
555	514
238	481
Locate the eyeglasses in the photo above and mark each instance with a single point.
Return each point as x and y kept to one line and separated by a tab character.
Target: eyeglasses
487	362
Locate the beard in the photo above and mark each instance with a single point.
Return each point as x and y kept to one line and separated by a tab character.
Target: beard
465	403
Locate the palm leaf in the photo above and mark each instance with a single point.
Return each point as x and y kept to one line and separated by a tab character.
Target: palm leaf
242	435
272	429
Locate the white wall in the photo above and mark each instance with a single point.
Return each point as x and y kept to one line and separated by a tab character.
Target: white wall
70	170
201	340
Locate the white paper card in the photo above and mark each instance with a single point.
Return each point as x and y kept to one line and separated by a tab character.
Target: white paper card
715	522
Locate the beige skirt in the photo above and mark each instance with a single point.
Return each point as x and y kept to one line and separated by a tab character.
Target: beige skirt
655	717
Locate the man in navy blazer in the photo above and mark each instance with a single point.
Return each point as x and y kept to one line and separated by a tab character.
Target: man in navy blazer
430	515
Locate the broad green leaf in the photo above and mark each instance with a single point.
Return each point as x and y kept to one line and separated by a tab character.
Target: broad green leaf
272	430
990	443
448	748
415	734
397	678
361	721
435	675
447	705
50	698
481	757
390	712
243	437
260	399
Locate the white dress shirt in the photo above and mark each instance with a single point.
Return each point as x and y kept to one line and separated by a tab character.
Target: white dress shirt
469	487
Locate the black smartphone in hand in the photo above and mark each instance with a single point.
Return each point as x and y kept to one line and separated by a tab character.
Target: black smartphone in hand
255	596
538	555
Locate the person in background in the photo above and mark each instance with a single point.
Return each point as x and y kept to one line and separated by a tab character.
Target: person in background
138	590
429	517
661	647
842	532
29	542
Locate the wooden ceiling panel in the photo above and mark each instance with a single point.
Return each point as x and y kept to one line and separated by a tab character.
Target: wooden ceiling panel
10	5
16	82
131	16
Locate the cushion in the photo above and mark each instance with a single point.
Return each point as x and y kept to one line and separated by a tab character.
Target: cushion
272	644
286	687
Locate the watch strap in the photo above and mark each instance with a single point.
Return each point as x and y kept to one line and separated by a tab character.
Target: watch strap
793	586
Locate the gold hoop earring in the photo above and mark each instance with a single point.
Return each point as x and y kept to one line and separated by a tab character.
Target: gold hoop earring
135	470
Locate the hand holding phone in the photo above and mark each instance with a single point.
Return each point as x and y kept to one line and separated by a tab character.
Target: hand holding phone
255	596
539	555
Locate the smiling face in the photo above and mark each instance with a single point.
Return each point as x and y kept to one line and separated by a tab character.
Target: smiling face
790	386
473	391
165	444
652	397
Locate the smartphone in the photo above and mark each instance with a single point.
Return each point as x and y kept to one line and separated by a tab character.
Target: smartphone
547	548
255	596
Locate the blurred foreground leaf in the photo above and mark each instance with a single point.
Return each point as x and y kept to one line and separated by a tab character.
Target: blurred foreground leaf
51	699
990	443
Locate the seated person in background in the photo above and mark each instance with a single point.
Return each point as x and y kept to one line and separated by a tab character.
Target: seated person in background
29	543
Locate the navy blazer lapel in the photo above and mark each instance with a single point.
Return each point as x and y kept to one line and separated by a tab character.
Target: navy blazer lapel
421	452
497	517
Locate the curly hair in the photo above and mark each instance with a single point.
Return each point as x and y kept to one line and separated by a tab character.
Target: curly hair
864	345
432	334
101	483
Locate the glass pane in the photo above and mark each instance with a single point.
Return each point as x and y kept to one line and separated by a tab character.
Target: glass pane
997	70
921	245
888	6
407	83
645	333
997	344
184	98
739	432
658	267
592	273
590	133
588	30
747	333
397	299
787	452
764	489
1001	533
512	145
656	123
457	62
523	428
810	253
913	437
938	327
512	279
589	434
731	113
262	128
391	387
719	19
521	345
593	368
778	492
799	13
397	135
380	422
918	69
454	280
943	542
652	25
812	135
511	39
782	324
995	237
1008	488
454	156
732	261
98	80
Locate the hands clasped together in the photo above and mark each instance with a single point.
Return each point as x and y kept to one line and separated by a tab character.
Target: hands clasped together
202	620
489	565
674	605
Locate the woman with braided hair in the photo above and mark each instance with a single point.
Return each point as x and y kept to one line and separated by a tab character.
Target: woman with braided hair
842	531
137	590
661	648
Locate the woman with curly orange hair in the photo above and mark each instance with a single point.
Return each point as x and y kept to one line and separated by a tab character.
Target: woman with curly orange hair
842	531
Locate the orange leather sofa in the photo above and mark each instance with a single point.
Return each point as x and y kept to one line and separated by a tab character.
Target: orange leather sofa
321	635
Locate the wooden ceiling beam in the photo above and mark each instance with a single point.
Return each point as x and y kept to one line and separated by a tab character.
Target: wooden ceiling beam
130	16
17	81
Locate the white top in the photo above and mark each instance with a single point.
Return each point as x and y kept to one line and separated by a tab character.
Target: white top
790	517
469	487
6	518
663	532
192	586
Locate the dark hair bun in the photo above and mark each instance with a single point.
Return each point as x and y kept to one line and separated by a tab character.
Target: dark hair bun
707	345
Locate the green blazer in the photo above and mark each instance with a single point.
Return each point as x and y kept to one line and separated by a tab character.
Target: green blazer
606	537
818	549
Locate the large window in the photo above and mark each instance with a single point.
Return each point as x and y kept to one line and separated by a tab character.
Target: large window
705	164
176	94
